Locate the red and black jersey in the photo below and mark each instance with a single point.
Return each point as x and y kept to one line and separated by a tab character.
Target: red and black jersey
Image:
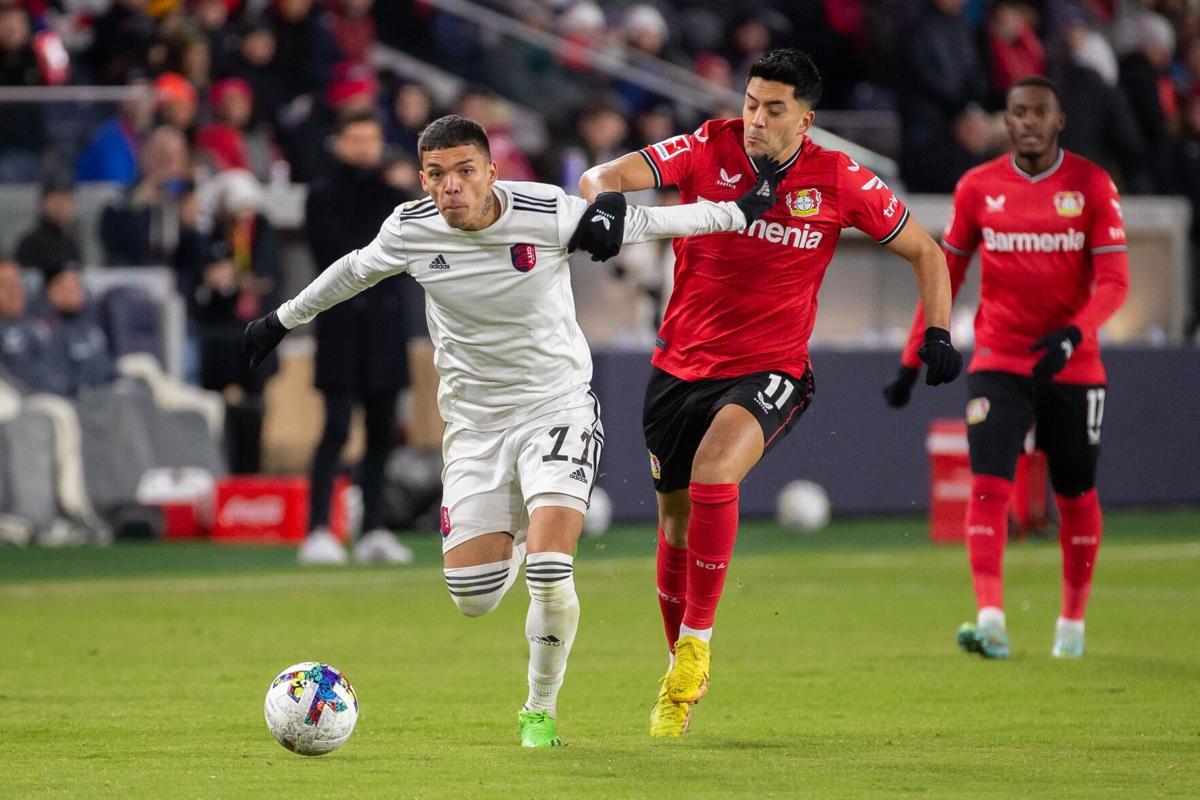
745	302
1054	255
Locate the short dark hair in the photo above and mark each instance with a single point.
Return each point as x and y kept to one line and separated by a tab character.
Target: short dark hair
1042	82
356	118
793	67
453	131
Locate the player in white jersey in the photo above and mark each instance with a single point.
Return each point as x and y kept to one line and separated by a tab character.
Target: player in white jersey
523	435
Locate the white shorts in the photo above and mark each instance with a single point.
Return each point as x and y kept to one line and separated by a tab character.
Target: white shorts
493	480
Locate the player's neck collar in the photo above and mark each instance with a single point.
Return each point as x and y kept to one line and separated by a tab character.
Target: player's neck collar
1046	173
786	164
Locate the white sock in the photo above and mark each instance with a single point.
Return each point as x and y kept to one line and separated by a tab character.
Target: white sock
550	625
990	615
1070	625
704	635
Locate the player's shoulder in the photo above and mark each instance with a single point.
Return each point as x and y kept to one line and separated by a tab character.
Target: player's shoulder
1091	174
531	190
529	197
719	130
998	167
421	208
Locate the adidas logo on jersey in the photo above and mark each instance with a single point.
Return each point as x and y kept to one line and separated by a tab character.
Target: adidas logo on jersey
439	262
579	475
1021	242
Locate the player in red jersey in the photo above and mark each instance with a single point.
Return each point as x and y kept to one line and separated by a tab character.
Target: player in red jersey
731	372
1054	269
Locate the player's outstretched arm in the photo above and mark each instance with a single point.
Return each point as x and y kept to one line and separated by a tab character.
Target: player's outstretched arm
942	361
346	277
629	173
645	223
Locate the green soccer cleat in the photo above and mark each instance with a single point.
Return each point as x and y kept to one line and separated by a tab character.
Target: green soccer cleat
990	641
538	729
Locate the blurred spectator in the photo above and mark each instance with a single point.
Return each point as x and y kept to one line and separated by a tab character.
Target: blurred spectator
193	60
1100	122
78	354
238	283
144	227
1187	175
971	142
124	35
352	29
353	89
1087	47
24	343
646	35
408	26
22	135
411	110
749	38
361	355
1014	49
601	135
659	124
112	153
494	114
297	38
255	61
212	18
942	76
1151	93
229	141
530	74
177	102
51	243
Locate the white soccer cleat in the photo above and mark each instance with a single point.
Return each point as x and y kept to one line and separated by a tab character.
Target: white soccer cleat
322	549
380	547
1068	639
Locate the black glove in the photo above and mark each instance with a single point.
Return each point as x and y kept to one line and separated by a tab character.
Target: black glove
261	337
602	227
898	391
1059	345
943	362
761	196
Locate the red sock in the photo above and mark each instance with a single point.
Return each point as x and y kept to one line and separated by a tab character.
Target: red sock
672	586
987	531
712	530
1079	535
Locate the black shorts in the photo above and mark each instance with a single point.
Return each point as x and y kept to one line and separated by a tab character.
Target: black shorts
677	413
1004	406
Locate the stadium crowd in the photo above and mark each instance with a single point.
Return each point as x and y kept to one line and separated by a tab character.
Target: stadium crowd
241	95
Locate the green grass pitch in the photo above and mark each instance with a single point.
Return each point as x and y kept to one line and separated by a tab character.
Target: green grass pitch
140	671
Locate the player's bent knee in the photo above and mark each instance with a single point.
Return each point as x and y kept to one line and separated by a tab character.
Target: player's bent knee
478	590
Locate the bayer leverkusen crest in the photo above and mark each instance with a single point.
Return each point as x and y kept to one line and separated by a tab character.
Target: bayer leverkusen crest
524	257
1068	204
804	202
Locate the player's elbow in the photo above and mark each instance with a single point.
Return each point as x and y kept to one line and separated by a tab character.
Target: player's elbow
595	180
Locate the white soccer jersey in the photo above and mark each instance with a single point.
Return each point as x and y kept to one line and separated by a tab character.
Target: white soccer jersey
498	300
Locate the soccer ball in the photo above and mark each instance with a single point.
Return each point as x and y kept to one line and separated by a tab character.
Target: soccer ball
599	513
311	708
803	506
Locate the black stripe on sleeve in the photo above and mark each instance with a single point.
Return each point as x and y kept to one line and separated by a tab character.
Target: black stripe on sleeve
896	230
658	181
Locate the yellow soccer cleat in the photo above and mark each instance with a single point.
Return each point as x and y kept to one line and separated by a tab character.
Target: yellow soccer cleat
668	719
687	681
